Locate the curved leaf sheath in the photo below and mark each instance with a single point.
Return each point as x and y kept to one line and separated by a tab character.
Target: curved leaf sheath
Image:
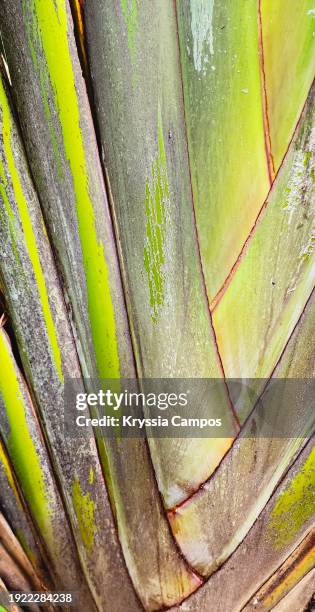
297	566
62	150
300	597
13	547
13	575
219	43
16	514
289	66
147	166
180	581
48	354
275	277
138	90
207	536
157	187
24	440
246	571
28	40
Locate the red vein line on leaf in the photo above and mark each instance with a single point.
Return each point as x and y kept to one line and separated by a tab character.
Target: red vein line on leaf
265	110
237	421
173	510
309	299
217	298
217	570
78	13
281	480
138	364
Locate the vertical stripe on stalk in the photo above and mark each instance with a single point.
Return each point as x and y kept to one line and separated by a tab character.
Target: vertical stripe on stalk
9	476
156	200
50	24
84	508
20	442
129	11
27	227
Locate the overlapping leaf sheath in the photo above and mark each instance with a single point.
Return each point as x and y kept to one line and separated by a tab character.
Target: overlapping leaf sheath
209	171
55	117
301	597
12	574
295	568
275	277
288	47
23	437
258	460
261	553
246	73
17	515
223	104
11	548
48	354
15	568
135	69
76	210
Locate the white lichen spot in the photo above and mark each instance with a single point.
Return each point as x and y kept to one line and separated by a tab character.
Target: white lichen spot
309	248
311	13
244	91
299	181
202	32
295	186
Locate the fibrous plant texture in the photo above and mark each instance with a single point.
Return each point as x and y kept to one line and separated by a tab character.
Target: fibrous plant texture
157	222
